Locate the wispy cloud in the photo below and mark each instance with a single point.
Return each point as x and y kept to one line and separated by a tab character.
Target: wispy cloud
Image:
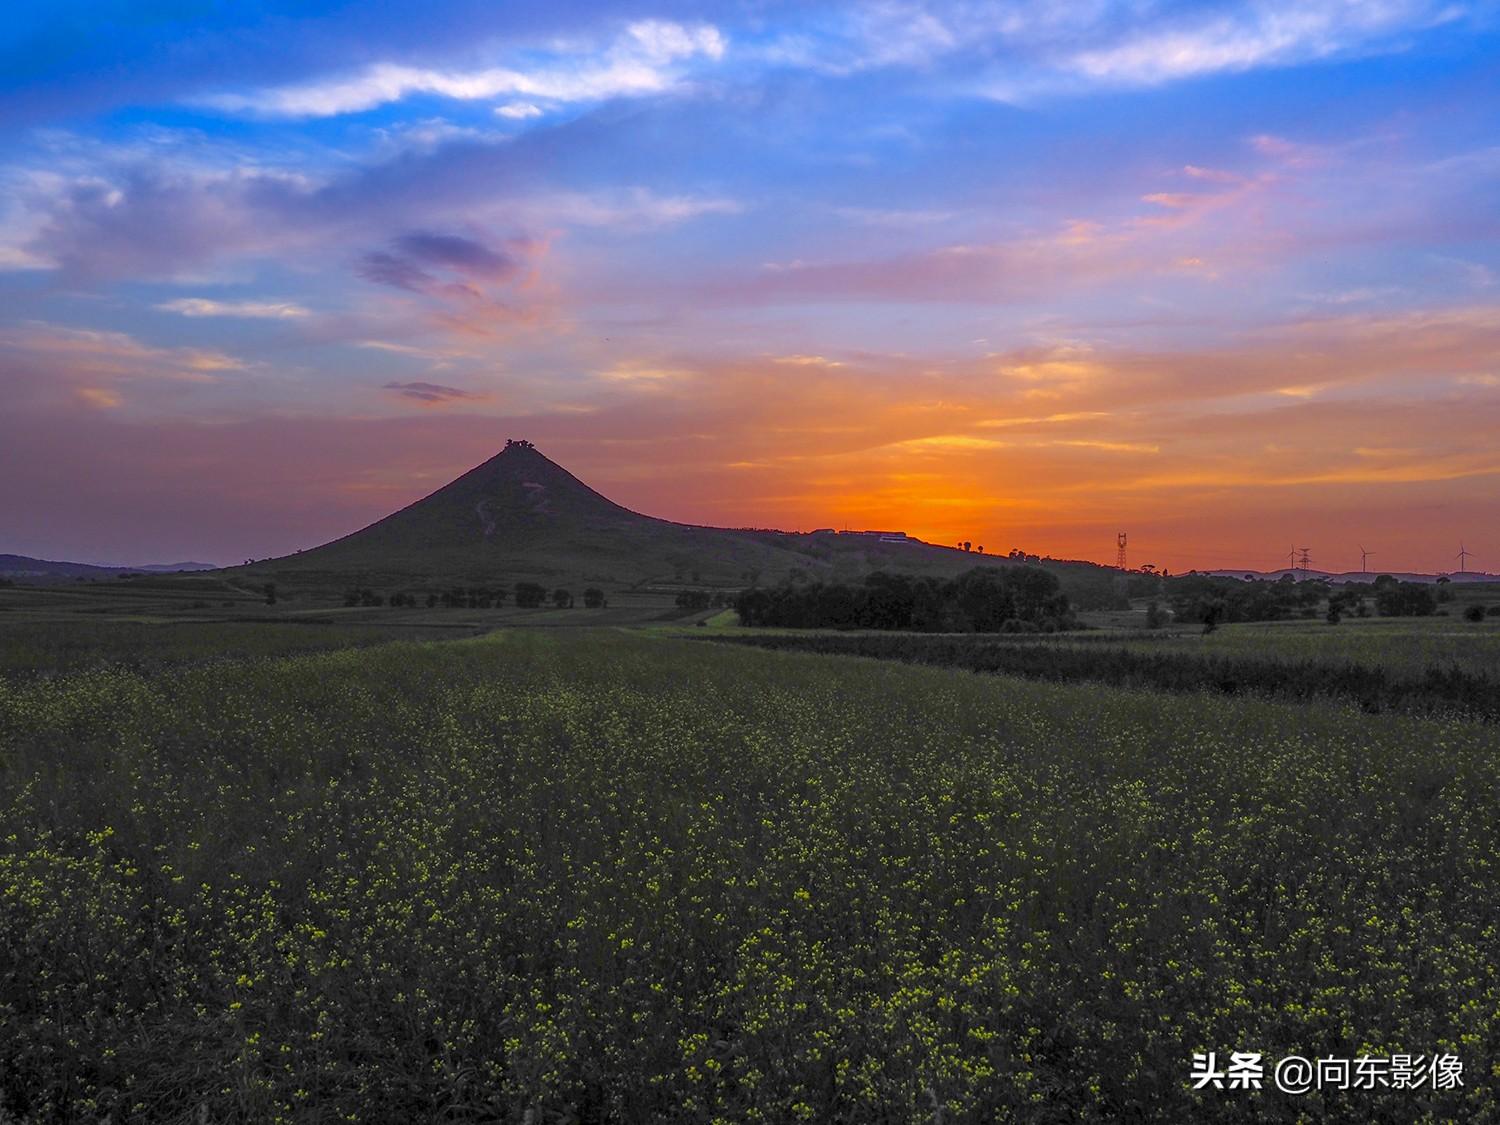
636	207
251	310
1020	52
99	398
1279	33
805	361
432	394
440	355
642	374
642	61
87	352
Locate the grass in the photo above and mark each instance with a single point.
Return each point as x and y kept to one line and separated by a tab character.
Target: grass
1407	645
574	875
35	648
1164	662
158	622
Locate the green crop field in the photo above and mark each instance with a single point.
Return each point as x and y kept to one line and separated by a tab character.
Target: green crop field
582	875
1399	644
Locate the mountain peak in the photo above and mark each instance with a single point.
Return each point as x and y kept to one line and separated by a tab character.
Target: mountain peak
522	514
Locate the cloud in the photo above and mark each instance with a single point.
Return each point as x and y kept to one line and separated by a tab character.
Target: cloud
641	61
99	398
414	261
81	352
395	270
456	252
1018	52
805	361
626	208
476	287
643	374
441	355
517	111
1131	48
899	218
253	310
432	394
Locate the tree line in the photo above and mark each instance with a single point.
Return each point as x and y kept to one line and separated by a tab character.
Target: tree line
528	595
1015	599
1214	599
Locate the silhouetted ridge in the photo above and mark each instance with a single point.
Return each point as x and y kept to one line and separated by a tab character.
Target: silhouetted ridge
517	497
522	515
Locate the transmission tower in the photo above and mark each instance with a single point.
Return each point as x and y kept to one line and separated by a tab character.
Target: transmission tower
1303	562
1120	551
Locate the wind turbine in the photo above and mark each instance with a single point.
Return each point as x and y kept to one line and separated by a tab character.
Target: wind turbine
1463	558
1363	555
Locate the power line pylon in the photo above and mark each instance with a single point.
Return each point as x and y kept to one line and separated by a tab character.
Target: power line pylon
1120	551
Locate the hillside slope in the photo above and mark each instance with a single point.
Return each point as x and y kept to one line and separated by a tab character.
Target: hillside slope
34	571
521	515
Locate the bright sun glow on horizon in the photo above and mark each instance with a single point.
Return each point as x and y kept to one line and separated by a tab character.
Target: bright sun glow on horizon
1225	276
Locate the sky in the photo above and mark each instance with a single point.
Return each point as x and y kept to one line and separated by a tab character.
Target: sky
1223	276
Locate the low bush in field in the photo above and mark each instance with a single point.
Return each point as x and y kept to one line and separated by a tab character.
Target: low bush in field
628	878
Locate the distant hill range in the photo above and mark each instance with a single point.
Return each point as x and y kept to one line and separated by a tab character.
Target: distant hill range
1352	575
43	570
521	515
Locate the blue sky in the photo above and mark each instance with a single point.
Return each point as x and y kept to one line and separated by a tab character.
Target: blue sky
1012	273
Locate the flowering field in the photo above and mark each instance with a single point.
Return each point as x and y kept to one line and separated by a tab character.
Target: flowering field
584	876
33	646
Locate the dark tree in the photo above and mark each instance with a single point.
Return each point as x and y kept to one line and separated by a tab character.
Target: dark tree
1404	599
693	599
562	599
984	599
529	595
593	598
